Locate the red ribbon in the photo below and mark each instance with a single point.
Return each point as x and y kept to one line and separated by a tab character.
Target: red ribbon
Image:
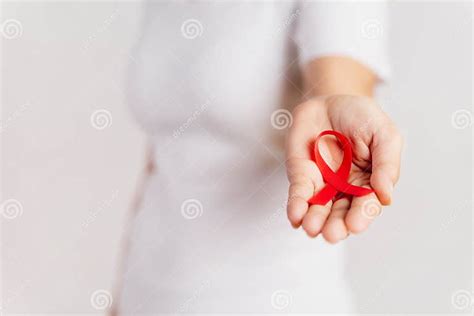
335	181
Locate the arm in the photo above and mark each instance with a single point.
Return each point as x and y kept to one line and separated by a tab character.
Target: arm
340	89
337	76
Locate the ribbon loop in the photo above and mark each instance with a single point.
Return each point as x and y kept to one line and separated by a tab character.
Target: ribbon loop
335	181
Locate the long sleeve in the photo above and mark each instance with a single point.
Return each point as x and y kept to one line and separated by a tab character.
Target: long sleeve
344	28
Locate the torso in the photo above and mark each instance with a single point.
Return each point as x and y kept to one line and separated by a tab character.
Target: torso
211	234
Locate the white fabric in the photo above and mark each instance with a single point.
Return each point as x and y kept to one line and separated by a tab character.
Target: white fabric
207	104
345	28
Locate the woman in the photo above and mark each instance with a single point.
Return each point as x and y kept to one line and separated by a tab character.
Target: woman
212	83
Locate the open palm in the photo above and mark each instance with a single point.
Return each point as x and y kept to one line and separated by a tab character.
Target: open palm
376	146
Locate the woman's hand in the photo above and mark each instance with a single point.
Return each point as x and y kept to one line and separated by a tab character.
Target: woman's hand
376	145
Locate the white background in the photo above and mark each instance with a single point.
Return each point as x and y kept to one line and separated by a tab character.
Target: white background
75	182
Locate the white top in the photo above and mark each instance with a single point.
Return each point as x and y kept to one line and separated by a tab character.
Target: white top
209	83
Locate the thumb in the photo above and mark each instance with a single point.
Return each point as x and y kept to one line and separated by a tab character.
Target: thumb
386	151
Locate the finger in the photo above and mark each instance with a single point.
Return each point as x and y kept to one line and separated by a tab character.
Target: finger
303	173
386	150
363	211
301	189
314	220
335	228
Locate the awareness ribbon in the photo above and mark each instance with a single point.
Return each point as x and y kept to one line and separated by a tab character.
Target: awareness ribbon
335	181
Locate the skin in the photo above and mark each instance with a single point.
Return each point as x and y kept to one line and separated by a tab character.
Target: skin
340	91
